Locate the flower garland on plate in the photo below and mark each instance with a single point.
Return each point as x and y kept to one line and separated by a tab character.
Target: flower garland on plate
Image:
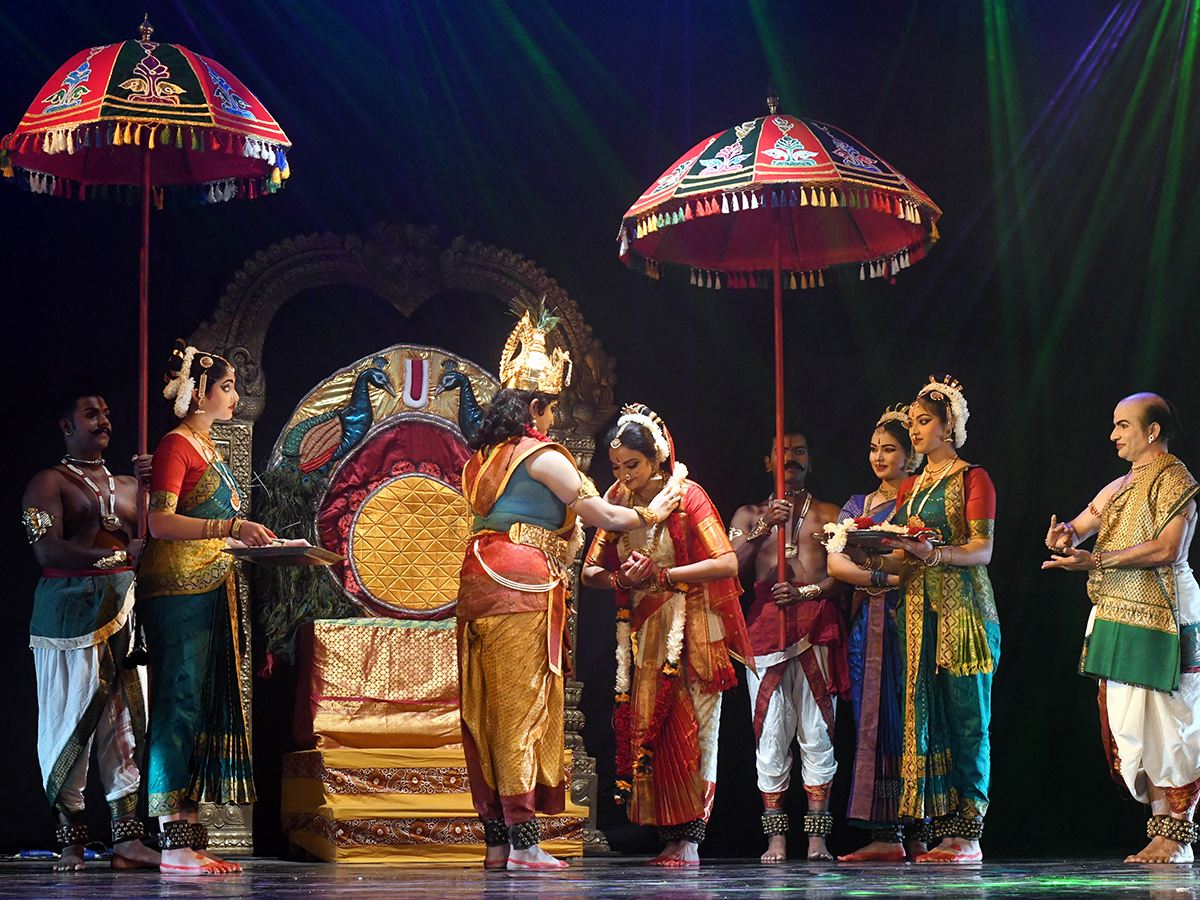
838	533
627	763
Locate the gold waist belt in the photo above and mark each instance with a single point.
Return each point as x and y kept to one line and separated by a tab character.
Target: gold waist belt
543	539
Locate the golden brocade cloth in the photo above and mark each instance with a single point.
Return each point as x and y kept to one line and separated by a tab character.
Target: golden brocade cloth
961	596
1135	514
374	683
397	805
512	716
181	567
1134	633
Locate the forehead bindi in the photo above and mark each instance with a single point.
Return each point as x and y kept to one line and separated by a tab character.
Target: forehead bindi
91	405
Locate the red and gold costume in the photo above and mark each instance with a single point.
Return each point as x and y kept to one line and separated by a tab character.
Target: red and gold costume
511	624
667	721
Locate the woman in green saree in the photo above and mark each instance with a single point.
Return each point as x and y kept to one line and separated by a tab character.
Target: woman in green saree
198	741
949	633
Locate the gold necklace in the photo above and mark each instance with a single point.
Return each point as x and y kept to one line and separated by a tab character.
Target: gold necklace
205	440
919	487
929	470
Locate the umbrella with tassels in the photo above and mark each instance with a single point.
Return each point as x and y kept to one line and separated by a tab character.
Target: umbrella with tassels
778	201
151	120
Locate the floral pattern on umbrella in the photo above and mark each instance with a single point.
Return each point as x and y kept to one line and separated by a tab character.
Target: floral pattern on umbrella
830	200
208	132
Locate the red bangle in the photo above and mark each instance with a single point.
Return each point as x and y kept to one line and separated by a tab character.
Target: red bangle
617	586
664	580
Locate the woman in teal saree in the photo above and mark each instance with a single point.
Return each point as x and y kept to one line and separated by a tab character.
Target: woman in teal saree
198	747
949	632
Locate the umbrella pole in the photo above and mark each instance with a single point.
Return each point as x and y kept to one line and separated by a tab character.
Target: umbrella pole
144	332
782	553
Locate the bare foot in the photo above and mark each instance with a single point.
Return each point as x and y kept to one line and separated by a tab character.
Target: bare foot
817	849
776	849
194	862
71	859
133	854
913	849
533	858
677	854
953	850
496	857
877	851
1163	850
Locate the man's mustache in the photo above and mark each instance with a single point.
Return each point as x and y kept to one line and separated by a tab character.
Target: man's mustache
103	429
793	465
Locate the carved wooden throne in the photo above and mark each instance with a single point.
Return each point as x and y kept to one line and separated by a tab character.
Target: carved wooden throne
405	266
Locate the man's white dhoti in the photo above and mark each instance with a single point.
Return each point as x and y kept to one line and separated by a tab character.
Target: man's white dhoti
793	713
68	683
1157	734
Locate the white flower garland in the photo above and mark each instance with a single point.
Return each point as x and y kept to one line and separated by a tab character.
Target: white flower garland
624	656
675	634
958	407
181	386
678	604
661	450
836	542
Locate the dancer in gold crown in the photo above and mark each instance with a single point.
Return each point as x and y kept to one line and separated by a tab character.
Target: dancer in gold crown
1143	636
528	498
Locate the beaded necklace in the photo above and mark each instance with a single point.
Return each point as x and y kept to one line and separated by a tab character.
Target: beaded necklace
108	517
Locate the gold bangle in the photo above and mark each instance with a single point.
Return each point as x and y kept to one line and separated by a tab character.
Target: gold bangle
809	592
1098	557
876	563
760	528
117	559
647	515
950	556
235	527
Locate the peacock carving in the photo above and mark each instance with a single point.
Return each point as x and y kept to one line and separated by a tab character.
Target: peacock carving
318	443
470	413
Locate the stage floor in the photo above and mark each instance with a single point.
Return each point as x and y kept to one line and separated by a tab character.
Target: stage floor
618	877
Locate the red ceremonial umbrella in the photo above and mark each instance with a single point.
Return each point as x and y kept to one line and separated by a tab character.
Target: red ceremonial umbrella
779	199
146	116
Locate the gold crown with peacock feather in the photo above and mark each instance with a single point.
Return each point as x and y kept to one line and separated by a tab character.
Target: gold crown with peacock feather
526	365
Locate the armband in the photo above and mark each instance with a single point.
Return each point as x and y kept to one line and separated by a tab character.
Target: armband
760	528
37	522
162	501
587	490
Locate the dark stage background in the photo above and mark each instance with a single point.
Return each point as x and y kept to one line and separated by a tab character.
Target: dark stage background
1059	138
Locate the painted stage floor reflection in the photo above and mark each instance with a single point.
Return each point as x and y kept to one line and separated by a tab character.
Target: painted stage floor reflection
618	877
